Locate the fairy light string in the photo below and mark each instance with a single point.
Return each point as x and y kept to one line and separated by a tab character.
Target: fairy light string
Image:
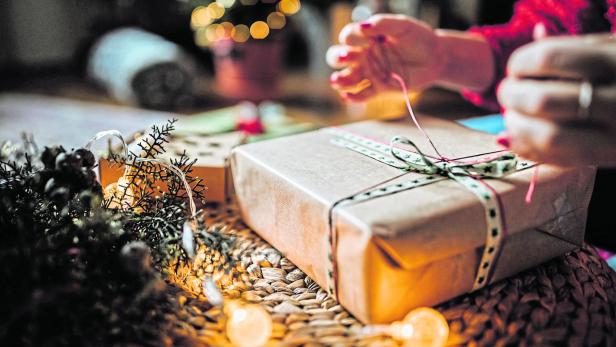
209	26
190	225
246	325
112	133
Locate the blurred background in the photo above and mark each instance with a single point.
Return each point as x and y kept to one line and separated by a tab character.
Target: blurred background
70	68
190	56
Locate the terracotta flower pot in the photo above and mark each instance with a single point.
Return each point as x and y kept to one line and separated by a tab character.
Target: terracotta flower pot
249	70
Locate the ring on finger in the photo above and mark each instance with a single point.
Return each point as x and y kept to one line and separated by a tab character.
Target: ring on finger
585	101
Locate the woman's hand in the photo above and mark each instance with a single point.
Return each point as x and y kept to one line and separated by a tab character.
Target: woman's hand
542	100
412	50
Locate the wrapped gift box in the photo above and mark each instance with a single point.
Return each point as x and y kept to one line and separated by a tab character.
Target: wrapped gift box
414	247
210	136
212	164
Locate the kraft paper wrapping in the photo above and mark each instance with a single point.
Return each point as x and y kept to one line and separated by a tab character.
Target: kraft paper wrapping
418	247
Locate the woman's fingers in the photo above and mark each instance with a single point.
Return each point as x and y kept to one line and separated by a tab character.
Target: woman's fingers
353	35
557	101
542	99
392	25
568	145
347	78
360	95
340	56
592	57
386	25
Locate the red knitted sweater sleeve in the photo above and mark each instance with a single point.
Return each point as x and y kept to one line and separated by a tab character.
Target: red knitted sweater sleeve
558	16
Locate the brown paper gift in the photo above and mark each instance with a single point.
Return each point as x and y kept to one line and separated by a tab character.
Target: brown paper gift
418	247
212	164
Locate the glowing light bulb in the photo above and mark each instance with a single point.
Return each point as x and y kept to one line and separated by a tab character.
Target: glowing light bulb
119	194
226	3
215	10
248	325
210	32
259	30
276	20
223	31
201	37
422	327
240	33
289	7
200	17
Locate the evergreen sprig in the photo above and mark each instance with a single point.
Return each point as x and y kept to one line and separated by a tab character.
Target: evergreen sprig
159	207
72	275
78	272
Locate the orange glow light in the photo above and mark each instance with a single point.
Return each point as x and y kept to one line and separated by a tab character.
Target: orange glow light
240	33
259	30
200	17
423	327
210	32
276	20
201	37
215	10
227	30
289	7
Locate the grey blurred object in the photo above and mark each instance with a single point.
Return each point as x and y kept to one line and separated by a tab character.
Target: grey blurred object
313	26
39	33
144	69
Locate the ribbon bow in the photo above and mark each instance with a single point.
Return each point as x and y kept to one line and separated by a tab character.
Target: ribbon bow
495	167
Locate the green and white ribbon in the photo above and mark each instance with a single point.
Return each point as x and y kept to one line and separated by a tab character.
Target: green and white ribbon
470	175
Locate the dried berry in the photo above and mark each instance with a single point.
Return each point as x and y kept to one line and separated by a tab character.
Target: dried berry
49	156
68	162
50	185
136	256
60	195
87	157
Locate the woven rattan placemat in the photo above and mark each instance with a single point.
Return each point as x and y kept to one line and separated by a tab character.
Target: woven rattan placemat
569	301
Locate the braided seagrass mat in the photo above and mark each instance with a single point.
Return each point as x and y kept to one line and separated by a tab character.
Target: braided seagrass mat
569	301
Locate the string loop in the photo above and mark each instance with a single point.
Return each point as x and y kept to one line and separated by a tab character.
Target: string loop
113	133
168	166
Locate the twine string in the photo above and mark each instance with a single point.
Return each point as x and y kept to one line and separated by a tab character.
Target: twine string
394	69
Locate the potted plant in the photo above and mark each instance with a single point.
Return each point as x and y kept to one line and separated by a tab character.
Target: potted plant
247	40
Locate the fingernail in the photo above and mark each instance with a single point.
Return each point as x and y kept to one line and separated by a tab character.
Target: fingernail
365	25
343	56
503	141
499	86
333	77
540	31
344	95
